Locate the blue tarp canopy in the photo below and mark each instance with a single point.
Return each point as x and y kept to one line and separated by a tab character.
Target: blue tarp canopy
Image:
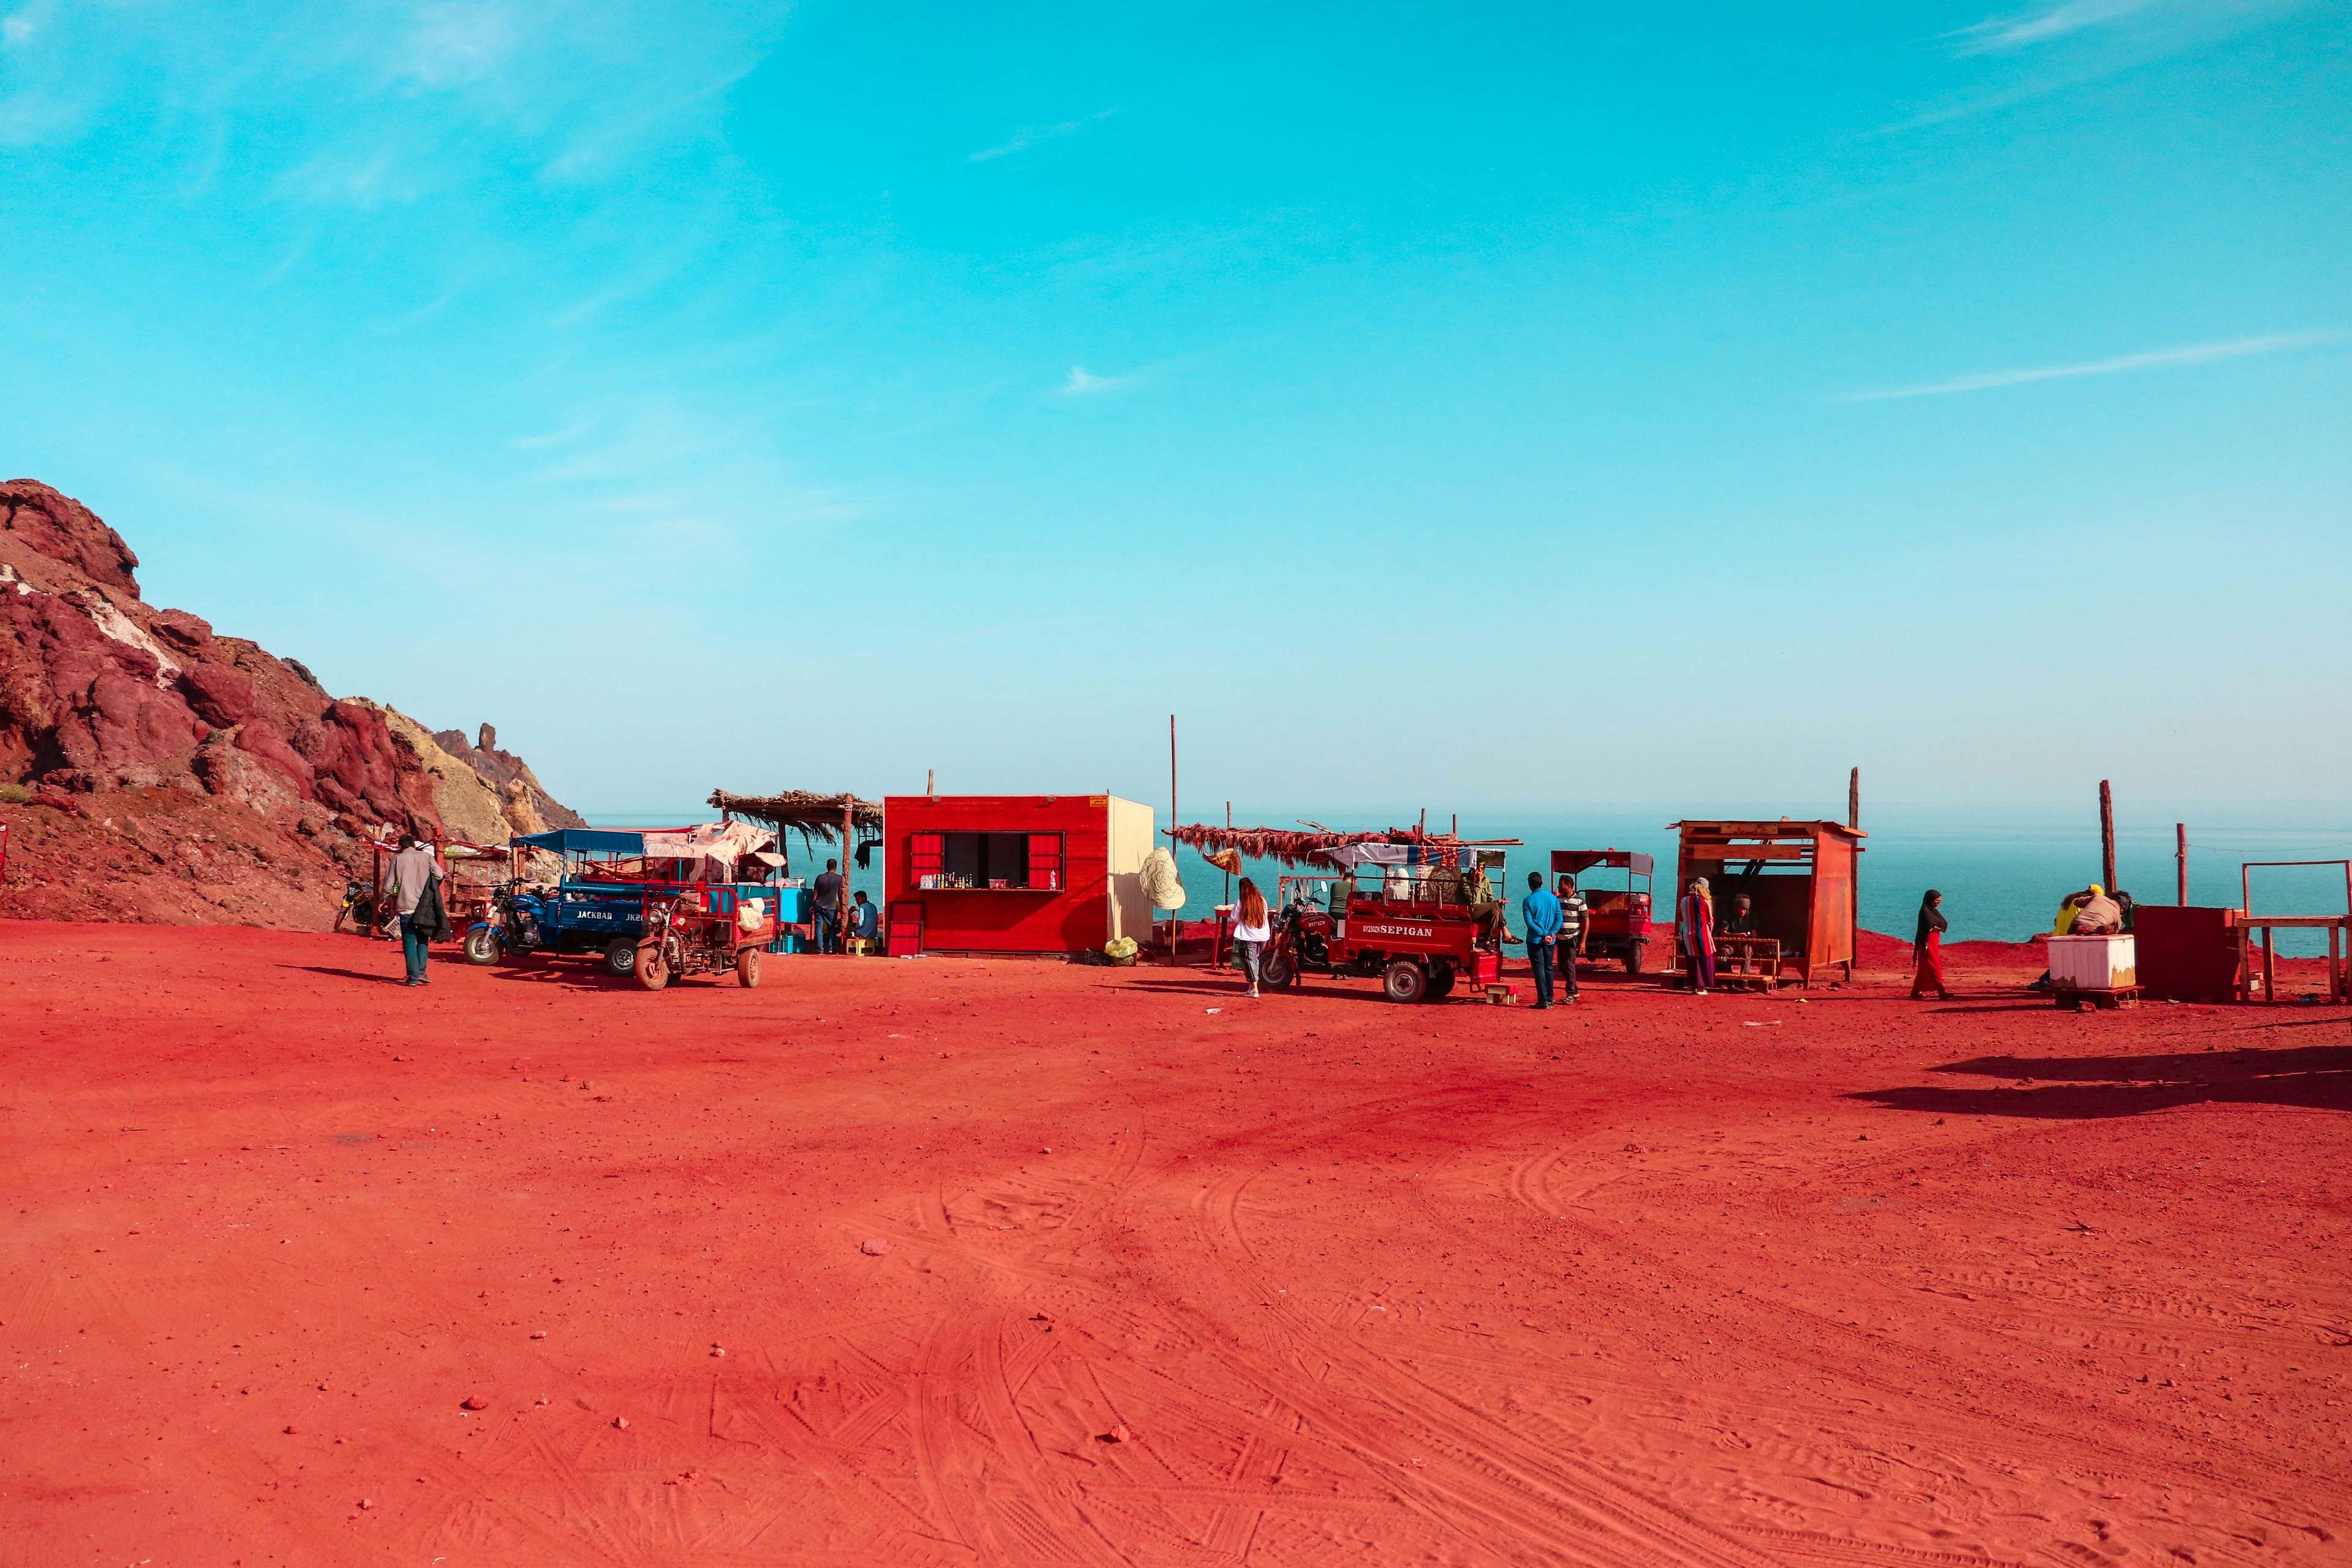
588	840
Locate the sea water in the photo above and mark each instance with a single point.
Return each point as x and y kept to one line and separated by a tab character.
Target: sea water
2002	869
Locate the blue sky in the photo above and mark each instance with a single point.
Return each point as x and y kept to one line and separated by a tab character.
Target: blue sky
1461	406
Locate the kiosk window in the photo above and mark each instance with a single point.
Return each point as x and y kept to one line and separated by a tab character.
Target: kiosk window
1004	861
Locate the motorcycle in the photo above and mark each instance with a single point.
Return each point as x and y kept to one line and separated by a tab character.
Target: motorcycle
359	908
512	926
518	926
700	931
1301	943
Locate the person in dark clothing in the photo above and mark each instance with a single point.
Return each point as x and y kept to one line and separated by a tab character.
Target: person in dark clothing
1741	921
1928	950
1540	912
827	902
1572	910
416	900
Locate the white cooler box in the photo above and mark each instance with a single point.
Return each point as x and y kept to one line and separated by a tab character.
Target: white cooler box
2093	962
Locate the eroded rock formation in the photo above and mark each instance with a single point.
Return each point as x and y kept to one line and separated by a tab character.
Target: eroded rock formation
152	769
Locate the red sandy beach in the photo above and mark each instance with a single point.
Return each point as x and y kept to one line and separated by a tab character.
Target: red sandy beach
951	1262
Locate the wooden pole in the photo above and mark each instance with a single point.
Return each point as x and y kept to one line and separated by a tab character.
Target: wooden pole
2180	864
2107	837
1174	916
1229	876
840	903
931	782
1854	820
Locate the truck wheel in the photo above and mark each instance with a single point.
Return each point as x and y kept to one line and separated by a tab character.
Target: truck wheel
621	955
1404	981
1441	984
1278	970
653	969
481	945
747	968
1635	955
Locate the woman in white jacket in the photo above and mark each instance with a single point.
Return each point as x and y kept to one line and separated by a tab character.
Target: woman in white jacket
1252	931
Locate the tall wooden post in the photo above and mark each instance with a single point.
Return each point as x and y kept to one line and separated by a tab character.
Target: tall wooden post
1229	876
840	903
1854	820
2106	838
2180	864
931	782
1175	916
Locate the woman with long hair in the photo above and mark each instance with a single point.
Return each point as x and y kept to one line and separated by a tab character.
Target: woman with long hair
1252	931
1928	950
1697	925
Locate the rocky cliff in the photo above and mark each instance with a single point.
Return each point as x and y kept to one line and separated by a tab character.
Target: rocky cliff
153	770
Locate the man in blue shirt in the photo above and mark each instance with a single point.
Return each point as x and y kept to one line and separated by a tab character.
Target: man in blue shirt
1542	913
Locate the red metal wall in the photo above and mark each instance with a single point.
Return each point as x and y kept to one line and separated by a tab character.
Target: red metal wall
978	920
2185	955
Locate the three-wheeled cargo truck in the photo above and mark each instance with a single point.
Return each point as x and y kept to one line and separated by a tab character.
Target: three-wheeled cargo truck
1616	919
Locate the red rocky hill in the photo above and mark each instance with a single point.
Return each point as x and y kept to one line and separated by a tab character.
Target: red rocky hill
152	770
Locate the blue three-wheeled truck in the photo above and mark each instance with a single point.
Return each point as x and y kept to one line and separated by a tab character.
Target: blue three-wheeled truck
598	901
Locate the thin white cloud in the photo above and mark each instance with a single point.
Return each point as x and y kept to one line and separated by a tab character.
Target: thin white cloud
17	29
1084	383
1029	136
453	43
2158	359
2017	32
564	437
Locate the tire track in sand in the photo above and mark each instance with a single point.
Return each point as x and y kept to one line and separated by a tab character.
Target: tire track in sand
1491	1483
2164	1449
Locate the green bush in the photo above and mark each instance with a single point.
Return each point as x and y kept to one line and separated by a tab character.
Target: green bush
15	794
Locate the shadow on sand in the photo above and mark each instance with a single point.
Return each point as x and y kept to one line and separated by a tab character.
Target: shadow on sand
2315	1077
394	977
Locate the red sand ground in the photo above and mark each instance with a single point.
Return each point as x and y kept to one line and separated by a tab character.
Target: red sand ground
1638	1283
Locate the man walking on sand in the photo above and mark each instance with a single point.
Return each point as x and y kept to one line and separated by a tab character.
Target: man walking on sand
1542	913
417	899
827	900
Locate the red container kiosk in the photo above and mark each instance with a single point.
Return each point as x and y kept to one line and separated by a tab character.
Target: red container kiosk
1014	873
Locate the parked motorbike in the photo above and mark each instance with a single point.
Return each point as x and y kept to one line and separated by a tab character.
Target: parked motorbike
359	909
1300	943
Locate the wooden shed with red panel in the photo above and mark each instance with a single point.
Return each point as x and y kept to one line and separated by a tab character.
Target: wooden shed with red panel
1798	877
1014	873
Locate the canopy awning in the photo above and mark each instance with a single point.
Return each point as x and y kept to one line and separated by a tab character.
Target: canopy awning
1575	860
805	812
587	840
726	842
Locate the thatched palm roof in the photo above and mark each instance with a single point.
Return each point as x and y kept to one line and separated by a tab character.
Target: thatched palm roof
801	811
1310	845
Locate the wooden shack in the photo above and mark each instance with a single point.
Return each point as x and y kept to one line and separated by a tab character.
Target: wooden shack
1799	875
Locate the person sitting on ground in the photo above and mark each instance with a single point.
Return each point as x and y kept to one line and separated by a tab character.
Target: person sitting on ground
1741	921
2099	916
2124	902
864	918
1573	912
